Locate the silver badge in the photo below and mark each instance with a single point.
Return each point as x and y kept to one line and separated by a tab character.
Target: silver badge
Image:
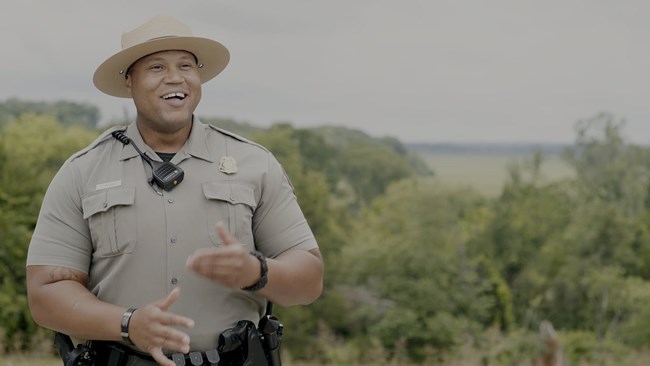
228	165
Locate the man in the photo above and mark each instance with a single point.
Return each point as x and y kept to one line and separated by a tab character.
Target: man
113	246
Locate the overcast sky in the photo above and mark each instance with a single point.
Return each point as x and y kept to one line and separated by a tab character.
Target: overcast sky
421	71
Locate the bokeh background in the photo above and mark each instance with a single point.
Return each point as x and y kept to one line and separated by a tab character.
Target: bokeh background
477	173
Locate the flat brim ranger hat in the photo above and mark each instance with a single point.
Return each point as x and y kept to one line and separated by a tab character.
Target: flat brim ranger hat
161	33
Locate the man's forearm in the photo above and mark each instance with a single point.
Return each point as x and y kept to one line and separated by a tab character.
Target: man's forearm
66	306
294	278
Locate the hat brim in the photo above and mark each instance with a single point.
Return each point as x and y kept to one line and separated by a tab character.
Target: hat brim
110	75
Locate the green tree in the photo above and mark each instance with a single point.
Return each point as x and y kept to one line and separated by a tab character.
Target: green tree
576	252
32	149
408	271
607	167
371	170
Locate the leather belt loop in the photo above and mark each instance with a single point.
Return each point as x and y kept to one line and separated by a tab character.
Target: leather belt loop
212	356
179	359
196	358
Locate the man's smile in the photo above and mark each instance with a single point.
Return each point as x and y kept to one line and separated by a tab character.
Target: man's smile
177	95
174	99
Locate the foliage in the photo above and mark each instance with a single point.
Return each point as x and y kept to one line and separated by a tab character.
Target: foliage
341	139
416	271
581	347
408	267
370	170
25	172
68	113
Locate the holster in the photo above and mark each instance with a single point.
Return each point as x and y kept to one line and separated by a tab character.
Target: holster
270	330
73	356
247	345
241	345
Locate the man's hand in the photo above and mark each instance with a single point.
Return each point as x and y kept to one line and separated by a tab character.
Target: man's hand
152	329
231	265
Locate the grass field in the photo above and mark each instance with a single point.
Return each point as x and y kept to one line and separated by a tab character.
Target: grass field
29	360
487	173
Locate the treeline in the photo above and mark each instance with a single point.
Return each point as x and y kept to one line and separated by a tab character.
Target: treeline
416	272
66	112
472	148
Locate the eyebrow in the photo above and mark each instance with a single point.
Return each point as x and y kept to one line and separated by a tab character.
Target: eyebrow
160	58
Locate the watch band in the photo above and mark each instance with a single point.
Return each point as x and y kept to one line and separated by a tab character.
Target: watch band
263	273
124	324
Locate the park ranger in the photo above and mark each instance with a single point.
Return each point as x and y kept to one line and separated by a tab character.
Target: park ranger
162	235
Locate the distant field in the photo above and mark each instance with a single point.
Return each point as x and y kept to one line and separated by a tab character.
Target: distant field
487	173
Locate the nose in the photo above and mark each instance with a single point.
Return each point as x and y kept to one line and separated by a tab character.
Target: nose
174	75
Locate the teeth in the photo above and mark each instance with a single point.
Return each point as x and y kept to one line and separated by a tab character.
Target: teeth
172	95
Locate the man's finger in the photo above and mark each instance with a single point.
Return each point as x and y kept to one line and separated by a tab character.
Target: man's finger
160	357
172	342
171	298
175	319
223	233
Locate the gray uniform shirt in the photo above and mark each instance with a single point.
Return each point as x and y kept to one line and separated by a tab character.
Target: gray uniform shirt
101	217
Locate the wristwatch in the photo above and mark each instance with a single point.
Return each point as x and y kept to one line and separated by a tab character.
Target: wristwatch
126	319
263	273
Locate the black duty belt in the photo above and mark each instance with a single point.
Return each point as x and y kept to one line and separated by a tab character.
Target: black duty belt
240	345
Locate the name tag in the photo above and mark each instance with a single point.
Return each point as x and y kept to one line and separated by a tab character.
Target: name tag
108	185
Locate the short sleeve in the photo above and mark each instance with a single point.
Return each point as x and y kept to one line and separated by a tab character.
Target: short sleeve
61	237
278	223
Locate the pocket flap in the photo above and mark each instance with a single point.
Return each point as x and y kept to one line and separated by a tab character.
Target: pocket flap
104	200
228	192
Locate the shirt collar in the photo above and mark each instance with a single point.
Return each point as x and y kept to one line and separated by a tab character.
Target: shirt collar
129	151
196	145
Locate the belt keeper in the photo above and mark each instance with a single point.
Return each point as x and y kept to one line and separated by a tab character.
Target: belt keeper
196	358
179	359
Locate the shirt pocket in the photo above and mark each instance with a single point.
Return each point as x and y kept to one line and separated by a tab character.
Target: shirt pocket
112	221
232	204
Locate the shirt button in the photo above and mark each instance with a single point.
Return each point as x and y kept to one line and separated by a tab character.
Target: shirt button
173	239
170	200
105	205
232	199
174	280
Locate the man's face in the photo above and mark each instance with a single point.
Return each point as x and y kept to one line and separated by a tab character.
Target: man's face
166	89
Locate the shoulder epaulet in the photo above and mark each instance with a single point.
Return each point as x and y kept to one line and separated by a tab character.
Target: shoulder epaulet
236	136
104	136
